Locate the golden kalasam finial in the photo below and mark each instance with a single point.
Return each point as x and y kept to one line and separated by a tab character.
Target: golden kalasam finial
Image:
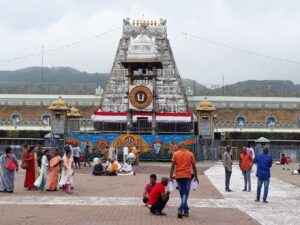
73	112
58	104
205	105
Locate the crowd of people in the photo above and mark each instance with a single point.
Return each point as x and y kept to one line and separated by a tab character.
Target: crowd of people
48	170
44	170
111	167
246	160
155	195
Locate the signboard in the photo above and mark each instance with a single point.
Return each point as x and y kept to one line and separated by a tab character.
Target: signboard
205	128
58	126
141	97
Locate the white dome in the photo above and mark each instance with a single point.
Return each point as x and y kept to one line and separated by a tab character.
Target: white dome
142	47
141	39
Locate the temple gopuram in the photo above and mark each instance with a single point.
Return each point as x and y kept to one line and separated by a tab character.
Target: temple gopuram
144	93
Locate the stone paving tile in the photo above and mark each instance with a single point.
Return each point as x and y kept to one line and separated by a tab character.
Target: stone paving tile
116	200
116	215
284	198
162	169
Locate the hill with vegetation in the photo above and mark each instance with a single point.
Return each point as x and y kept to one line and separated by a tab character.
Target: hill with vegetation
66	80
54	80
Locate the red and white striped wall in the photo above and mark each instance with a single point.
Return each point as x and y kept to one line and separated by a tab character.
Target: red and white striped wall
160	117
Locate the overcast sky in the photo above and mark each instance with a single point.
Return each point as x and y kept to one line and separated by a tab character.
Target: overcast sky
270	27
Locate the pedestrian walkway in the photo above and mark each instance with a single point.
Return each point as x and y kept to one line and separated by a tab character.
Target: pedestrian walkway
284	198
209	205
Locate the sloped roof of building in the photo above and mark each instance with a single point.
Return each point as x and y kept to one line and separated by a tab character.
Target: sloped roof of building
262	140
244	99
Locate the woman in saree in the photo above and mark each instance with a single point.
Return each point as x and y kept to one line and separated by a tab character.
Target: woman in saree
30	170
7	174
67	170
53	172
41	180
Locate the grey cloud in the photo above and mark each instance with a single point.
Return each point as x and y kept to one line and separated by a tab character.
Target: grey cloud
269	27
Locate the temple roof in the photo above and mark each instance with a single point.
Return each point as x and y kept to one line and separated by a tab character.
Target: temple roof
205	105
73	112
58	104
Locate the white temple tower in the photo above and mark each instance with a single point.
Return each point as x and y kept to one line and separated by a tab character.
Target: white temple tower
144	93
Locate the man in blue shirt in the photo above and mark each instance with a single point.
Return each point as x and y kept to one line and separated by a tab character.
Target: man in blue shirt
264	164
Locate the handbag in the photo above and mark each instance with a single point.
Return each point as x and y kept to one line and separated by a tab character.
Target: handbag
24	165
10	165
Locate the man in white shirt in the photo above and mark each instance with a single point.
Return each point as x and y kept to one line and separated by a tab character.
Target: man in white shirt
76	156
111	152
125	153
131	158
250	151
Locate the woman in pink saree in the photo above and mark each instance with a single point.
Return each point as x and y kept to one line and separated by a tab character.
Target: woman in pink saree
53	172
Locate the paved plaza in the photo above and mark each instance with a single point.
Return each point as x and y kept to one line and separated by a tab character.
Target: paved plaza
117	200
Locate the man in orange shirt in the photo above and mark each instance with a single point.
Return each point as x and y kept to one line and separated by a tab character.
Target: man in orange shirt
113	168
246	165
183	160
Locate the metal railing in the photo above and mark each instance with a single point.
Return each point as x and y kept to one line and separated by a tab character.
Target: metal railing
255	90
256	125
144	127
16	144
277	147
48	88
23	123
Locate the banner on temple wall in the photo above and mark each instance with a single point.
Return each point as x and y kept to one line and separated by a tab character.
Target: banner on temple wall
150	147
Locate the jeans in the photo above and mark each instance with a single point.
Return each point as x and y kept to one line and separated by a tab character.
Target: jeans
159	205
247	180
87	159
266	188
227	179
184	185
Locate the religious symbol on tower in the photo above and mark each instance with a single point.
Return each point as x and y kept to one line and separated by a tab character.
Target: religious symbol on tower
141	97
